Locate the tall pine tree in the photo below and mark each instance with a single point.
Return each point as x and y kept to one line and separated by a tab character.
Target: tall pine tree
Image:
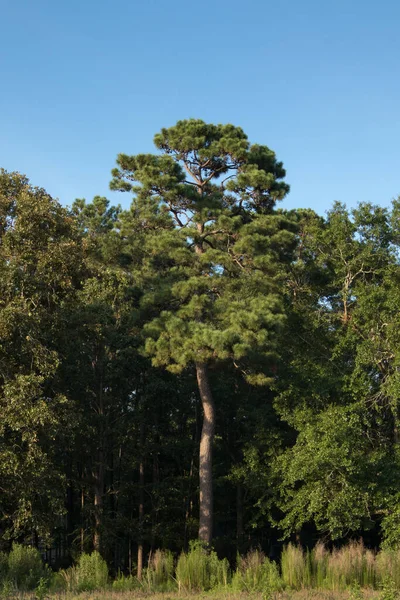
211	249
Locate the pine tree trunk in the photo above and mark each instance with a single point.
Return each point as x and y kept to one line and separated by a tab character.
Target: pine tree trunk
206	447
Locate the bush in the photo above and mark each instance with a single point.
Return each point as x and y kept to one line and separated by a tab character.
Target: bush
25	567
91	572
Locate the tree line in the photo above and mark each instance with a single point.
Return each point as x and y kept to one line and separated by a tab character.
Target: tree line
205	364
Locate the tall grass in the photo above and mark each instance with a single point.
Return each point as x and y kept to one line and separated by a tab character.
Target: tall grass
159	575
200	569
319	565
255	573
336	570
388	565
352	563
295	567
349	569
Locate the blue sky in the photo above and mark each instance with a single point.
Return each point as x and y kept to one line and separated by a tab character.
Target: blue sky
317	81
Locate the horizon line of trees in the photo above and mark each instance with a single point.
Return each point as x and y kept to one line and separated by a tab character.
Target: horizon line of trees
203	364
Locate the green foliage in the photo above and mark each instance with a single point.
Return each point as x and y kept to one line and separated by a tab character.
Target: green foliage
355	591
328	461
7	589
389	589
40	267
91	572
339	395
25	567
219	257
126	583
200	569
57	582
104	314
42	588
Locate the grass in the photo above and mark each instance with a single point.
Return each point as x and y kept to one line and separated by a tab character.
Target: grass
352	572
138	595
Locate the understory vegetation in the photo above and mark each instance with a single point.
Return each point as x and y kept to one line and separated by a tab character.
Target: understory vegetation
352	568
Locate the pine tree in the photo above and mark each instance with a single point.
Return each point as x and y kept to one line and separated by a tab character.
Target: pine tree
209	248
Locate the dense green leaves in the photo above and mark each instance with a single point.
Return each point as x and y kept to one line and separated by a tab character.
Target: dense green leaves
121	329
40	271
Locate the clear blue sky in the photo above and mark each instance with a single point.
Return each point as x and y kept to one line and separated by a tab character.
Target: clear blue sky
316	80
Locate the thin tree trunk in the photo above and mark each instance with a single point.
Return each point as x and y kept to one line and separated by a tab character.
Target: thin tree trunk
239	516
99	476
130	555
98	502
82	513
141	504
206	448
70	505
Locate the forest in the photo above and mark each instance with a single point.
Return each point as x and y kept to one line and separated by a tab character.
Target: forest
204	365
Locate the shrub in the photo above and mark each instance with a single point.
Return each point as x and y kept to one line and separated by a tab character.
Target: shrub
91	572
25	567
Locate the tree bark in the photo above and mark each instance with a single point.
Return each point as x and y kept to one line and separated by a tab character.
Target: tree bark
141	504
82	517
141	517
206	448
98	502
239	516
99	474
